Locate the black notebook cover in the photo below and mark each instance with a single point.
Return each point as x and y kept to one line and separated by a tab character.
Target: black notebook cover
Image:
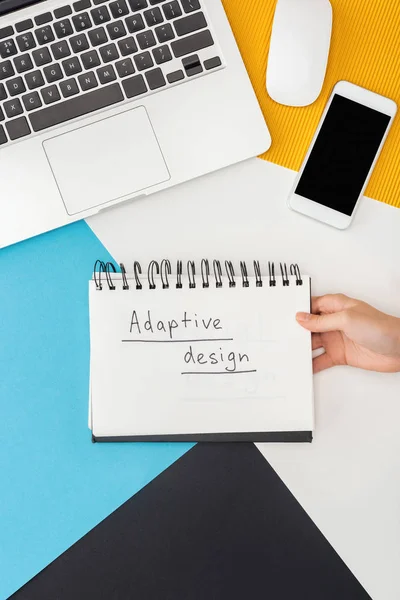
219	524
266	436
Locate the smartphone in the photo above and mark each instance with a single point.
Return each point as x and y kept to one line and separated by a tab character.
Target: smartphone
342	155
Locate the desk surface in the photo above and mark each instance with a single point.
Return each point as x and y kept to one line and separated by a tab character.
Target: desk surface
347	480
59	485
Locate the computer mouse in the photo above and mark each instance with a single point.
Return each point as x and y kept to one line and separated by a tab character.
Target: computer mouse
299	49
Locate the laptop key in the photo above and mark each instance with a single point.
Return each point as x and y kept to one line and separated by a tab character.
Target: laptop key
127	46
98	36
109	53
212	63
7	48
190	24
63	28
23	63
162	54
18	128
164	33
116	30
153	16
134	86
146	39
172	10
32	101
76	107
15	86
2	116
82	21
53	73
79	43
5	32
106	74
155	79
81	5
175	76
13	108
24	25
3	137
143	61
50	94
125	67
3	93
44	35
192	43
62	12
69	88
60	50
44	18
34	80
100	15
134	24
192	65
72	66
119	9
190	5
26	42
90	59
137	4
87	81
41	57
6	70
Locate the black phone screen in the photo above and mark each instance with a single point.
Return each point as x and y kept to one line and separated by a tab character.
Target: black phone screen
343	154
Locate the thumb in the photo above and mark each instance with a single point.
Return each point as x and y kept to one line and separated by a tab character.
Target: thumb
321	323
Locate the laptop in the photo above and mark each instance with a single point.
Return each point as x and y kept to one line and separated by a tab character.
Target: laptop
102	102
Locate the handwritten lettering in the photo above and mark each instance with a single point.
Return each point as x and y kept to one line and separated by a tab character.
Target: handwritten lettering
152	324
216	324
215	358
189	329
135	322
171	326
148	324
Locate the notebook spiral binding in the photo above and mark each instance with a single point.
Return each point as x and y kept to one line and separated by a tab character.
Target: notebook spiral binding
208	277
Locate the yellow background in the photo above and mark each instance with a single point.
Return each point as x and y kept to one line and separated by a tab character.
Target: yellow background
365	50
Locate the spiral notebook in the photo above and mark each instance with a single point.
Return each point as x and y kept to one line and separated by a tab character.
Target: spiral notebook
211	353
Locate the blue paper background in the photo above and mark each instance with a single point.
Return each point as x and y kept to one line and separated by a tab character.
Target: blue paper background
55	484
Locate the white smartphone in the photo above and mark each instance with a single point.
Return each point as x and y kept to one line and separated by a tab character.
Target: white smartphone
342	155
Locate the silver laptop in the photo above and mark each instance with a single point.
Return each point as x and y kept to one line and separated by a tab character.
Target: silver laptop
105	101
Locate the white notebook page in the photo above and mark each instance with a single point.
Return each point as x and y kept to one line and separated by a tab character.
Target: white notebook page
203	360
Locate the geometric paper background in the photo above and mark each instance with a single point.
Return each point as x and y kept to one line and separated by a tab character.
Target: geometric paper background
55	484
218	524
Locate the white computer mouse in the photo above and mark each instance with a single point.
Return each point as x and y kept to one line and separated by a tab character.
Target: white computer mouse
298	55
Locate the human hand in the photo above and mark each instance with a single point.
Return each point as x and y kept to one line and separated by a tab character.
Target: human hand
352	333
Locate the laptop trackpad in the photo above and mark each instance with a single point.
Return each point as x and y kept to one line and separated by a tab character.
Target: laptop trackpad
107	160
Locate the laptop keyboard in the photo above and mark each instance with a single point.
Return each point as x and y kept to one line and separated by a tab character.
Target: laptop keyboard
93	54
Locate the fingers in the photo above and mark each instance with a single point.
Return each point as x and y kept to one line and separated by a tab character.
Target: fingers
321	323
322	362
330	303
316	341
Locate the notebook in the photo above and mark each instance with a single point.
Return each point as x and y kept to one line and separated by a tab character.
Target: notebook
211	353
